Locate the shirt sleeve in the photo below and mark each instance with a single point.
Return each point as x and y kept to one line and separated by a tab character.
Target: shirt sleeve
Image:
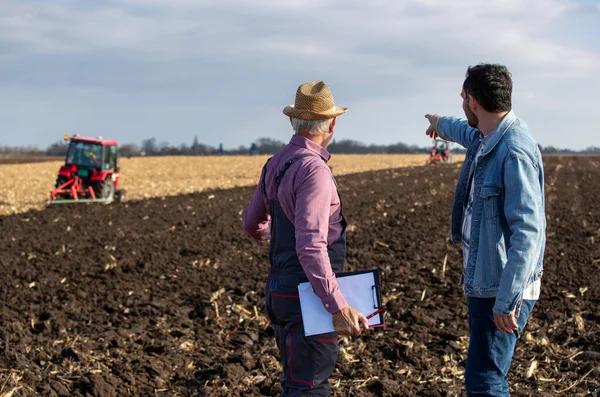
255	218
311	221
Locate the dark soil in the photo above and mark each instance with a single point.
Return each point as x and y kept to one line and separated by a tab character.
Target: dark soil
165	296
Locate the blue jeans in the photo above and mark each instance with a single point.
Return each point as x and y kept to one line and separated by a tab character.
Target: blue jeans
490	351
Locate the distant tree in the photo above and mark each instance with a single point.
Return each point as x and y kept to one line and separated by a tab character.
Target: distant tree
129	150
59	148
375	149
347	146
149	147
268	145
253	149
401	148
184	149
241	150
549	150
417	149
204	150
21	150
195	145
164	148
200	149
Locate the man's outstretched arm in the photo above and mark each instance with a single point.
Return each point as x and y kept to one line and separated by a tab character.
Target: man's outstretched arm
450	129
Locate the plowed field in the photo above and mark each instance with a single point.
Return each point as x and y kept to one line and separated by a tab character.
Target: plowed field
165	296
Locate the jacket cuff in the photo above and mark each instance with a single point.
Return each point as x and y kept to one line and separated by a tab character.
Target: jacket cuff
440	123
334	302
504	307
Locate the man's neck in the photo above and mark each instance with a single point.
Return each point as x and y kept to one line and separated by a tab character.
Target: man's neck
320	140
489	122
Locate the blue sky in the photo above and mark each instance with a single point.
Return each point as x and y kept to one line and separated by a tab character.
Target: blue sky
223	70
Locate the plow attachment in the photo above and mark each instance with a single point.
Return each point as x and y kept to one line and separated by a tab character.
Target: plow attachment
73	191
71	201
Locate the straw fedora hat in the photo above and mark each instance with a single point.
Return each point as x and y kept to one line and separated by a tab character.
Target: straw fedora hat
313	102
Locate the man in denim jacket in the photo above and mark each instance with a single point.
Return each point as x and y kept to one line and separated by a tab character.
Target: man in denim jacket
498	216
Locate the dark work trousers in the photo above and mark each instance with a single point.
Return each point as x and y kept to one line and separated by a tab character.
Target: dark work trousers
307	361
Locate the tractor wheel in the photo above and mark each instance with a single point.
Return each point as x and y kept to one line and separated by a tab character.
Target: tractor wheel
61	180
104	189
120	195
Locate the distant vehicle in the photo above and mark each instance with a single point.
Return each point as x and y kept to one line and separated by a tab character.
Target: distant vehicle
90	174
440	152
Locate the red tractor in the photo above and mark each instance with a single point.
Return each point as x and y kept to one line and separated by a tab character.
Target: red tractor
440	152
90	173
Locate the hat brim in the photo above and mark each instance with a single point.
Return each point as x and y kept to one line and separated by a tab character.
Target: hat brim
303	114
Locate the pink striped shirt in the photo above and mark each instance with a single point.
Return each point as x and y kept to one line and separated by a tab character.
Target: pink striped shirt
309	199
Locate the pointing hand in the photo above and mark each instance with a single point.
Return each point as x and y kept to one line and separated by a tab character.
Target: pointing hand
432	129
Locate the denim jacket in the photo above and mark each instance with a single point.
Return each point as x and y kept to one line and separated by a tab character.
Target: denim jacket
508	230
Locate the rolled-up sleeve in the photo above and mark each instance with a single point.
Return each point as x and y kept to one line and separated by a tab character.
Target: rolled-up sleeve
311	221
255	218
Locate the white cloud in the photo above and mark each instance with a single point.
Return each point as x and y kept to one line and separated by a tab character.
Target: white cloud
191	28
398	56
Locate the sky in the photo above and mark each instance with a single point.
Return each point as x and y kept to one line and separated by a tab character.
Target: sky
223	70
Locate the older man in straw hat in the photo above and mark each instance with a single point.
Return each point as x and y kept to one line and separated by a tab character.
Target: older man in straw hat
298	207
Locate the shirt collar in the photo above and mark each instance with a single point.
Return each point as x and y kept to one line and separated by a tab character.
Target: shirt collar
305	143
504	124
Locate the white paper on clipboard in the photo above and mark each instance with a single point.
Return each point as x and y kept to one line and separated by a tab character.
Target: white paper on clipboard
361	291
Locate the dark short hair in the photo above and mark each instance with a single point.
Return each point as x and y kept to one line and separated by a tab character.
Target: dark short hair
491	85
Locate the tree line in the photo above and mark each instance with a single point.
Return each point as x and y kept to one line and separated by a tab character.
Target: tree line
151	147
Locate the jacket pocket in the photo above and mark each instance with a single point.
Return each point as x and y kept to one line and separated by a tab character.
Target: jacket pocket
490	194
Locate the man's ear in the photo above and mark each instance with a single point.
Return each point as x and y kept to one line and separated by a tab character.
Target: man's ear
332	125
473	104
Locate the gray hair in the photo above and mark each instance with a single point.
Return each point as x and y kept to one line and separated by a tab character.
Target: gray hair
313	127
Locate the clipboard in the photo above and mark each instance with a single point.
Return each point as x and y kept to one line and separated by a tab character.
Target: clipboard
362	291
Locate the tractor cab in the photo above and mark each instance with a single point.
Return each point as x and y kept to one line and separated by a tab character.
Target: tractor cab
85	155
90	173
91	156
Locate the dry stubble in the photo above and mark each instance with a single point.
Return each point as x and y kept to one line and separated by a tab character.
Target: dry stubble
27	186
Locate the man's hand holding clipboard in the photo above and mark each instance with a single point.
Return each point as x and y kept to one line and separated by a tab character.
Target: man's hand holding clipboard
349	321
362	292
